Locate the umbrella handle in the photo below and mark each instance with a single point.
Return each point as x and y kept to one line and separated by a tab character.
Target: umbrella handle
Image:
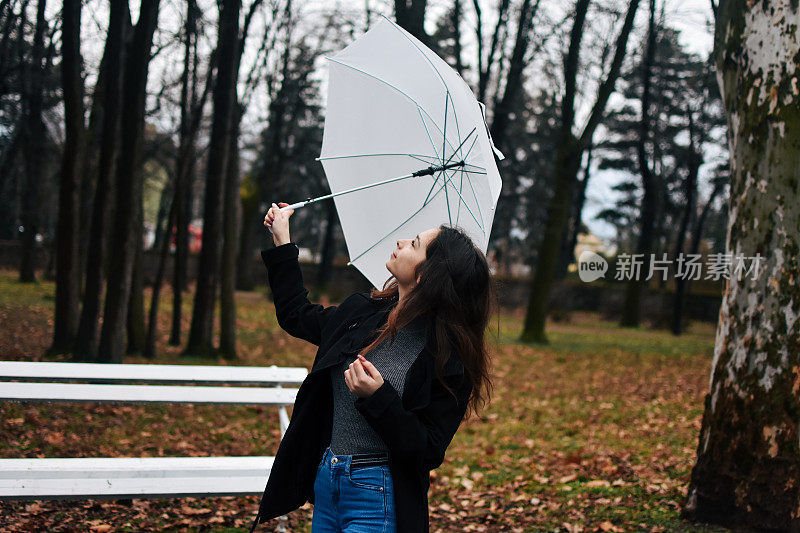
294	206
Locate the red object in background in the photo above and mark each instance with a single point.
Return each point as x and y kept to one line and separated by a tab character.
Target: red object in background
195	239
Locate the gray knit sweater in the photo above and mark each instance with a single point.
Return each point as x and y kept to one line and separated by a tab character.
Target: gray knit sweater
351	433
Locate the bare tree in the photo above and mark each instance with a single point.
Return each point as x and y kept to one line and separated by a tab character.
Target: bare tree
191	111
201	332
34	135
634	286
86	342
68	229
125	230
485	67
566	165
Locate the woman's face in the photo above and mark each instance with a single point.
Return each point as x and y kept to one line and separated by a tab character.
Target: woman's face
409	254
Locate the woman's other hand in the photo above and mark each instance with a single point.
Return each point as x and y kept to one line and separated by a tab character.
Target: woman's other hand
362	378
278	223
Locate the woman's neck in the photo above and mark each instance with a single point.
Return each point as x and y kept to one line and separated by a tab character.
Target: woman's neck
402	292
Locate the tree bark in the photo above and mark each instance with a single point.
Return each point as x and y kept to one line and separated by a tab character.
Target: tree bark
635	286
747	472
33	147
85	348
201	332
230	249
567	162
68	228
125	231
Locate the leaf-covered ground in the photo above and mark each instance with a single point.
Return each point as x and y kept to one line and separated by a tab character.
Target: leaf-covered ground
595	432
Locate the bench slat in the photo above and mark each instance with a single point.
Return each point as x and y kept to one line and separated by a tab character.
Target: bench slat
79	392
272	375
132	477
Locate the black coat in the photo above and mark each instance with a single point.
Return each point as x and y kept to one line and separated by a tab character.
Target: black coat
416	428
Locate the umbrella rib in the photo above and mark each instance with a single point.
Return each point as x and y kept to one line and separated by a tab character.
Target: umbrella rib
435	180
448	98
480	224
415	156
474	195
447	200
393	87
460	188
419	110
444	133
469	181
455	117
447	179
395	229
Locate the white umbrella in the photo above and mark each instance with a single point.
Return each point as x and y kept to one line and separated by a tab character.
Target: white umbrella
405	148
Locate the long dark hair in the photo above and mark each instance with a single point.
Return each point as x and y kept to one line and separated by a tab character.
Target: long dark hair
456	295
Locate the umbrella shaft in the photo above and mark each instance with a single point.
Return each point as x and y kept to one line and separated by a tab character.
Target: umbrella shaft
427	172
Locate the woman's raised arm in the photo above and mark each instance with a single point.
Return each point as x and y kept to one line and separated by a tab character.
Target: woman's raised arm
295	313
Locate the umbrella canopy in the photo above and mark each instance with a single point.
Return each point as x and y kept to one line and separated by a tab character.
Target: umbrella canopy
394	109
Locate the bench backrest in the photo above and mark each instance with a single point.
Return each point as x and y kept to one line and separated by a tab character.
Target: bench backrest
111	383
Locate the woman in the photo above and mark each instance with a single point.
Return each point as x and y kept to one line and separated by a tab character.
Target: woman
394	376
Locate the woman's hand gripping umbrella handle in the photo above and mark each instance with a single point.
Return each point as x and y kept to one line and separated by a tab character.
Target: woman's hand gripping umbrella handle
277	222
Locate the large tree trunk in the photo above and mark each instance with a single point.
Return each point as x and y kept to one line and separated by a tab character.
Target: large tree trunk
34	146
231	222
125	230
102	206
201	332
567	163
635	286
748	455
92	142
68	229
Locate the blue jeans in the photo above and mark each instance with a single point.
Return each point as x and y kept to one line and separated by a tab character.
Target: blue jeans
358	500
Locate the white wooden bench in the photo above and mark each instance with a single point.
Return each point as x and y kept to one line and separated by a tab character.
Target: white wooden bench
125	477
